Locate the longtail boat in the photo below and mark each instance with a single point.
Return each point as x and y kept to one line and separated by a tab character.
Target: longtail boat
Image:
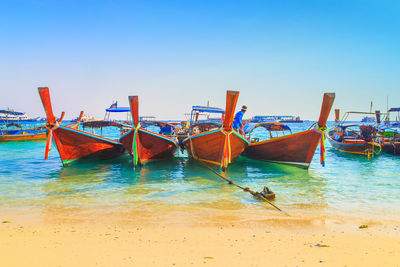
389	140
144	145
74	145
17	133
215	143
388	135
353	138
294	148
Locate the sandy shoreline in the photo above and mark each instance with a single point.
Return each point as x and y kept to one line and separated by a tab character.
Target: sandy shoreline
121	237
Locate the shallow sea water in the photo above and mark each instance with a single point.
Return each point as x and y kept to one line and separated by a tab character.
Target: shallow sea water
349	185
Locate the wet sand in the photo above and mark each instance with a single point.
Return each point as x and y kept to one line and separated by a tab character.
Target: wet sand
182	237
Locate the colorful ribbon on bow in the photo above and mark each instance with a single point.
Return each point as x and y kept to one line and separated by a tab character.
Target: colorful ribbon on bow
50	128
321	131
227	155
135	145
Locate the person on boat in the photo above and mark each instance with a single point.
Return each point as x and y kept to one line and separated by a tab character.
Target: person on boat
237	122
338	135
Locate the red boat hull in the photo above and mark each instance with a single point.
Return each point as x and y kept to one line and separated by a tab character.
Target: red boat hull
209	146
74	145
295	149
151	146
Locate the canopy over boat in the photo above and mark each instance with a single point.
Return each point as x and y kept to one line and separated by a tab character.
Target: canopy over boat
114	108
196	110
208	109
394	109
120	109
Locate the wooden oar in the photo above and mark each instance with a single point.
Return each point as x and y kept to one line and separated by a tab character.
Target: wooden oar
256	194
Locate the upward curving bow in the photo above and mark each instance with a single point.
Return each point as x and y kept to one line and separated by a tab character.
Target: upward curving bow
144	145
74	145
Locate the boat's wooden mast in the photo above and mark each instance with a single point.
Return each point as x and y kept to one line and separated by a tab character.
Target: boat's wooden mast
61	117
337	115
231	101
134	104
80	116
45	97
327	103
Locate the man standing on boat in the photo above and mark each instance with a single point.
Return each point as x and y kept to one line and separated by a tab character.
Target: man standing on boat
237	122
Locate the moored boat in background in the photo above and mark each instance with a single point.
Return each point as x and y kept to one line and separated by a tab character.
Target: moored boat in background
291	148
353	138
388	135
144	145
389	139
74	145
15	132
215	143
8	116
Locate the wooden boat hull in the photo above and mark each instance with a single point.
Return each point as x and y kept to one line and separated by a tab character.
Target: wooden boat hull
210	146
23	137
74	145
360	147
391	148
151	146
295	149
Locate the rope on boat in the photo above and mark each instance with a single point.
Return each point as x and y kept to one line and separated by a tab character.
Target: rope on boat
226	155
321	131
246	189
135	146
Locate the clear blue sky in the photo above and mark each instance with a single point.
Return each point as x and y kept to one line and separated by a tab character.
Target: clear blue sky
282	55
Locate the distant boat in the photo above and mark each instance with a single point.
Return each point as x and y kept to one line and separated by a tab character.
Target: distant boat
15	132
9	115
276	118
290	119
258	118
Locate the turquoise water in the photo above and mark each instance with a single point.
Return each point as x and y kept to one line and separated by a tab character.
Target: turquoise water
349	184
